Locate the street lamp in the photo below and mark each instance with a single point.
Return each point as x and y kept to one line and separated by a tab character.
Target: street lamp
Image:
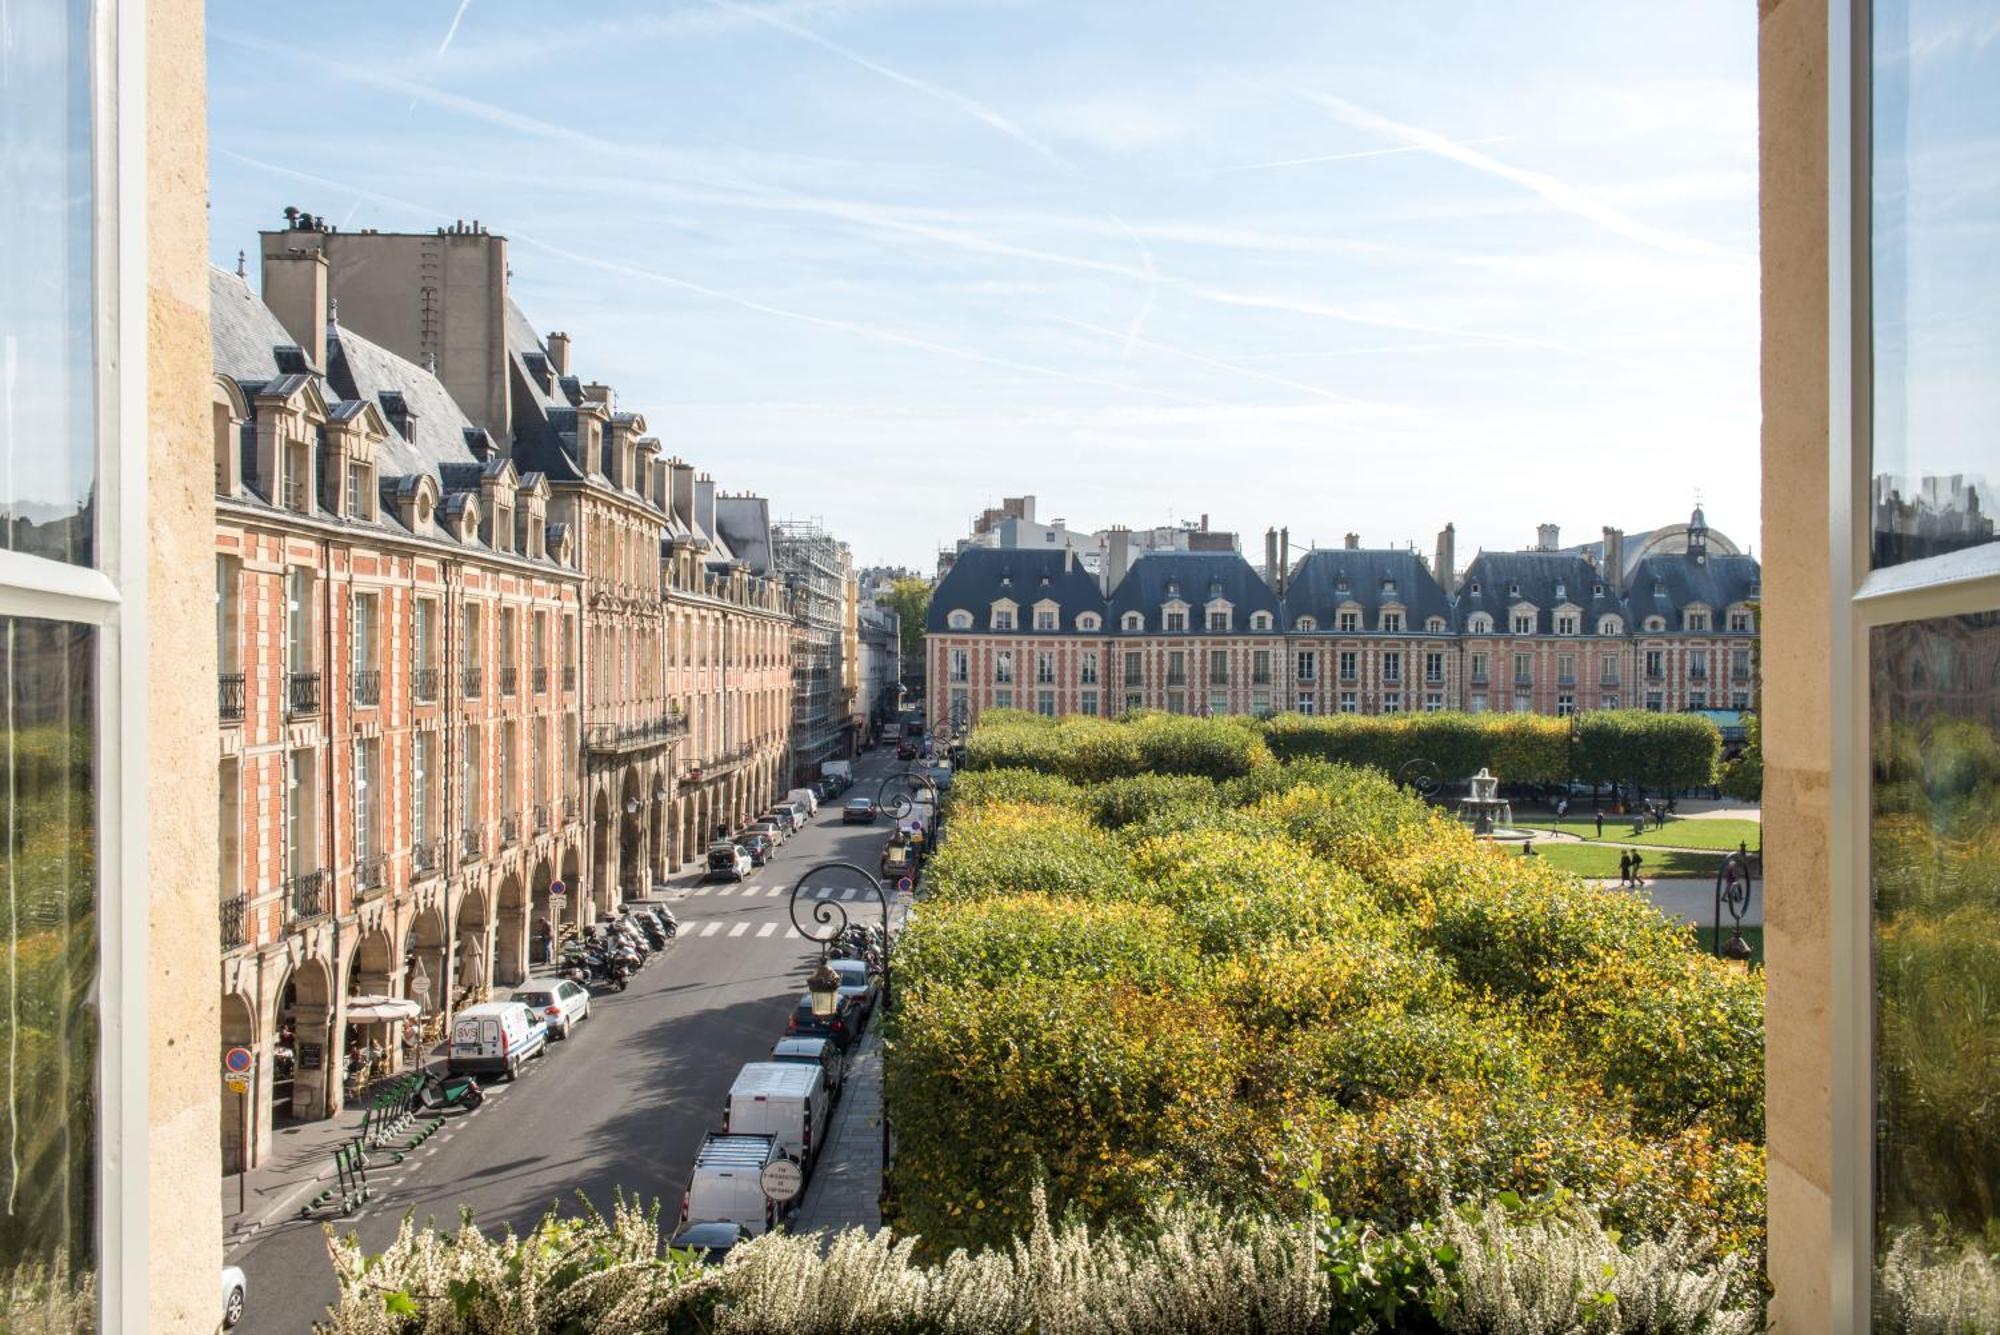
1421	776
825	923
824	988
1732	891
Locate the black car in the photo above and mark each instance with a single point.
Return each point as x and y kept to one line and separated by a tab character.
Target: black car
757	846
710	1241
843	1026
859	811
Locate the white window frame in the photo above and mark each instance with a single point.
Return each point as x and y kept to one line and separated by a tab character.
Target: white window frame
1863	600
110	596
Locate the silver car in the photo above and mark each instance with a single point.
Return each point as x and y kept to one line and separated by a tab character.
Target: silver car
235	1289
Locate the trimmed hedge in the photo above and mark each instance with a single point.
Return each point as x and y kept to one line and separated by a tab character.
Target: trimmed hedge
1155	986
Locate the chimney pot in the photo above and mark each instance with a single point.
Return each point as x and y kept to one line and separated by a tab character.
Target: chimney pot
1353	542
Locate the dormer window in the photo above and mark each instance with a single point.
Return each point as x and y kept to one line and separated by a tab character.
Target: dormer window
1479	624
1697	620
1218	619
1566	623
1524	623
1176	620
1045	618
1392	622
360	499
1088	621
1389	586
1132	621
1435	625
1597	590
1003	618
503	529
1513	590
1348	621
959	619
1306	623
1610	626
1473	587
1656	624
1739	621
1260	621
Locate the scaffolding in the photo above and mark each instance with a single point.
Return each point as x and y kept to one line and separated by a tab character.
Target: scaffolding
808	560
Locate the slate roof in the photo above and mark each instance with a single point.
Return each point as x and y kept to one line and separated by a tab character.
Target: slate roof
1323	581
983	575
744	522
1506	578
1668	585
440	443
1196	578
544	418
243	334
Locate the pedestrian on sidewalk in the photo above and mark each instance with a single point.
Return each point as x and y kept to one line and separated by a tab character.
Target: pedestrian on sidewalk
1624	869
545	940
1638	860
1600	822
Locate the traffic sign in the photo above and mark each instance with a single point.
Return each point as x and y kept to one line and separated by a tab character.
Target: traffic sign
557	889
905	884
238	1061
781	1180
238	1085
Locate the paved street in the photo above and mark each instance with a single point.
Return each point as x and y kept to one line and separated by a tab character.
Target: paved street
622	1104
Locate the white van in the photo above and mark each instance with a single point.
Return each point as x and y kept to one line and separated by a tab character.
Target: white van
782	1099
803	797
494	1038
801	813
728	1182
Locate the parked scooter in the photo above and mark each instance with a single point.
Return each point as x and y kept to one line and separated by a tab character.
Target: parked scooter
435	1093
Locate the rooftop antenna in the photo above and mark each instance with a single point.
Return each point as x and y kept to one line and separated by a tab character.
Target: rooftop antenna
242	265
333	310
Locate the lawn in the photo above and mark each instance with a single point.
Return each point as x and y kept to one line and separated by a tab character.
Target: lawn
1721	833
1601	860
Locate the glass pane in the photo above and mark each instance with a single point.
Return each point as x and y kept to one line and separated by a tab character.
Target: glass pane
1935	866
1936	203
48	1001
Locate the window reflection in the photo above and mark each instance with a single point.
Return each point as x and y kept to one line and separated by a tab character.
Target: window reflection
1935	854
47	413
1936	204
48	1002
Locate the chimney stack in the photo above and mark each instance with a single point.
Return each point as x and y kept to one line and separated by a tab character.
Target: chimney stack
559	353
295	289
1614	559
1548	537
1284	557
1271	557
1353	543
683	494
1119	541
1446	569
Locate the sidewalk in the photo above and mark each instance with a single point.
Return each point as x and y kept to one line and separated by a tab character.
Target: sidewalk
1693	900
846	1186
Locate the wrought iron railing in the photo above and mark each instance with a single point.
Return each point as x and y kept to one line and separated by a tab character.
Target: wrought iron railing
569	676
472	842
367	688
425	683
538	680
426	856
235	922
507	679
615	736
370	872
229	696
510	829
305	895
541	817
302	693
470	681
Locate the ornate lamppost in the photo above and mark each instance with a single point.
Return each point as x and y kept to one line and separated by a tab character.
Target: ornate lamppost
900	804
825	922
1421	776
1732	891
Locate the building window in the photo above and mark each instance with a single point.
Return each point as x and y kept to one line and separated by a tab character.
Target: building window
1308	665
1565	703
1087	621
1348	669
1565	669
1655	701
1045	619
1132	621
1655	663
1566	624
1608	702
1347	704
961	665
360	493
1045	667
1392	702
1435	625
959	619
1003	698
1176	621
1479	667
1087	704
1697	621
1134	672
1306	623
1524	702
1479	624
1218	703
1739	665
367	800
1607	670
1476	703
1003	666
1176	668
1307	705
1524	671
1218	620
1260	621
1433	666
1433	701
1003	618
1739	621
1134	701
1218	667
1698	665
1739	700
1260	667
1392	622
1087	671
1610	626
1348	621
1392	666
1524	623
1176	702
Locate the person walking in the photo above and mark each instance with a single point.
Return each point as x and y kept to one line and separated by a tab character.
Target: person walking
1638	861
1624	868
1600	822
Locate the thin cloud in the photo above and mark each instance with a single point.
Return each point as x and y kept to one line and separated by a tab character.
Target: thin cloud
1551	189
452	31
1339	157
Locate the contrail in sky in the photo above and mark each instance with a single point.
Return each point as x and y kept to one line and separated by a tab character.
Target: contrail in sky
449	33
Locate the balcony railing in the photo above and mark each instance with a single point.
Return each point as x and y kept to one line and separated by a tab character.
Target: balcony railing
510	830
229	696
541	817
235	922
302	693
538	679
1349	676
1433	678
305	895
1134	679
469	682
1176	678
1477	678
367	688
1565	679
1655	674
570	811
427	856
1524	679
569	677
612	737
507	678
472	843
370	872
425	682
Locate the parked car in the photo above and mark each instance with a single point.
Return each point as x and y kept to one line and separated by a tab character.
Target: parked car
839	1026
906	751
821	1052
727	1183
858	985
235	1291
784	817
758	846
782	1099
770	829
806	798
727	862
495	1038
711	1241
801	813
562	1007
858	811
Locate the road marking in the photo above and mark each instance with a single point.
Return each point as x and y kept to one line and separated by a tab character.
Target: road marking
739	929
777	890
848	893
791	934
700	890
767	929
725	890
711	927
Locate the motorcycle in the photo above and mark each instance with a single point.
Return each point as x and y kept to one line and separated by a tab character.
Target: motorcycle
435	1093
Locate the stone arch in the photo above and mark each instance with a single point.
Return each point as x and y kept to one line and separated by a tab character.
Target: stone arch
603	849
472	962
305	1002
241	1119
572	876
428	962
510	940
372	969
542	907
631	855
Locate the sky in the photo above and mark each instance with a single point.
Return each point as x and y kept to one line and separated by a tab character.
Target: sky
1337	266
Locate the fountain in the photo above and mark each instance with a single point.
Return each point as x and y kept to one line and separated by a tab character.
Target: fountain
1490	815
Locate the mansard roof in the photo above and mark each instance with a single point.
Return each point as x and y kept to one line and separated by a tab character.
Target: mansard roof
1504	579
1194	578
244	335
982	576
1324	581
744	522
1667	586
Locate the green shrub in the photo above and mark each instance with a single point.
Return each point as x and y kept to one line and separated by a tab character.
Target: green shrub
1662	751
1147	797
978	788
1020	848
1235	892
995	943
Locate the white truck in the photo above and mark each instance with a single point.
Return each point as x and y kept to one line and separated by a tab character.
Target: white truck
728	1182
838	769
782	1099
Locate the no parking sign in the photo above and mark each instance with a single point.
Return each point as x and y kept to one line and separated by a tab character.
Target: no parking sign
557	889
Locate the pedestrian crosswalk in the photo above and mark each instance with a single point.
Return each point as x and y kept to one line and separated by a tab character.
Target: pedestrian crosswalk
715	926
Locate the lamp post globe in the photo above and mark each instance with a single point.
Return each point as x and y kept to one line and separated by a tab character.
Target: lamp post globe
824	988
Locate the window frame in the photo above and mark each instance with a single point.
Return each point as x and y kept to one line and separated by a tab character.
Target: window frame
110	597
1863	599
